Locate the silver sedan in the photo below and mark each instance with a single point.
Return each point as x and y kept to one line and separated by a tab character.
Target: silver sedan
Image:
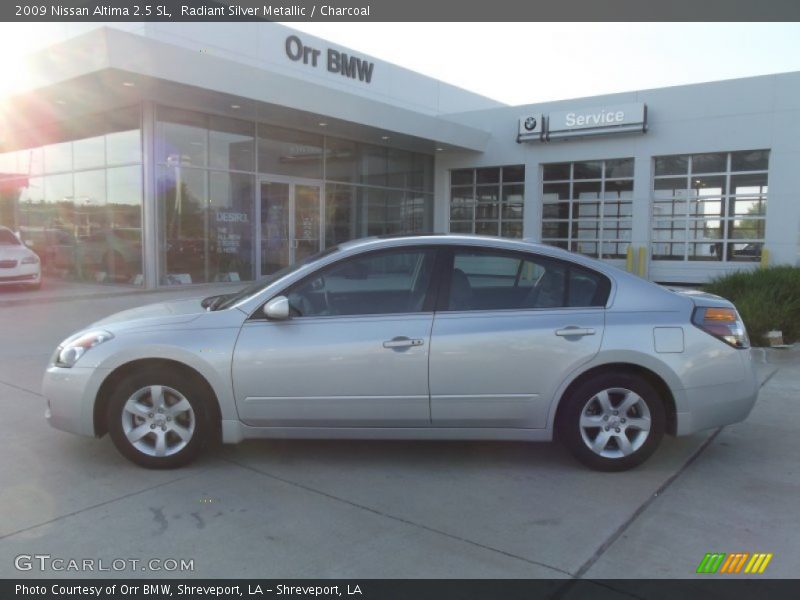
426	337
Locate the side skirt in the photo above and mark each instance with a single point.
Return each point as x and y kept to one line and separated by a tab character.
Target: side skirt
235	431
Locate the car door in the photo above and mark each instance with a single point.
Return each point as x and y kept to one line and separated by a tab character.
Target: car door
509	328
353	353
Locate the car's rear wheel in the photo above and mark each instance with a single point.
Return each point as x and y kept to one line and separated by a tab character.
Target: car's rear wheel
612	422
158	418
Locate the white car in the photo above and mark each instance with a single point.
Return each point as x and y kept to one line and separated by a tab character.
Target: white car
19	265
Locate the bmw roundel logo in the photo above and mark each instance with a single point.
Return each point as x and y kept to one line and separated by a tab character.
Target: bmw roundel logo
530	123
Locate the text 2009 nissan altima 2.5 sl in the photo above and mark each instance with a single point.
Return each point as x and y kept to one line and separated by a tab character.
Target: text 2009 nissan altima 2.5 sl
424	337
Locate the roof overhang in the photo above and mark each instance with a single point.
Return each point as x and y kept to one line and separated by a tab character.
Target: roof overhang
108	68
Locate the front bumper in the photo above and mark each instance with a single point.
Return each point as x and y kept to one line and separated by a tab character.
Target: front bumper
712	406
71	395
21	275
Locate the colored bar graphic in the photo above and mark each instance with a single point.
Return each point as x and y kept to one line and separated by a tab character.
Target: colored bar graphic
711	562
722	563
758	563
734	562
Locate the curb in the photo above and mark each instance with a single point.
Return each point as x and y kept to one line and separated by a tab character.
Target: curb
200	289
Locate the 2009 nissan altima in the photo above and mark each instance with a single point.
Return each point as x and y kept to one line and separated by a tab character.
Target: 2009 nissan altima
424	337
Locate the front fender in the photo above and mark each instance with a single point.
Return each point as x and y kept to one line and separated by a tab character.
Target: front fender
211	358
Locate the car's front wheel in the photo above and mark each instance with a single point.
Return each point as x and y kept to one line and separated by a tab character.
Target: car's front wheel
158	418
612	422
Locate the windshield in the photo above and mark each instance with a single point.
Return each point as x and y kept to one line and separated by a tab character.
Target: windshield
8	239
260	284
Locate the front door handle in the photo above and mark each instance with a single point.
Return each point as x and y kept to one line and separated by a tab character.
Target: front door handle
574	331
402	342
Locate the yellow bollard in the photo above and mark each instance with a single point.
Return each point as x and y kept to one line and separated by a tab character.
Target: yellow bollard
629	259
642	260
764	258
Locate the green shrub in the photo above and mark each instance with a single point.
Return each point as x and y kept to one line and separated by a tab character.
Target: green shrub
767	299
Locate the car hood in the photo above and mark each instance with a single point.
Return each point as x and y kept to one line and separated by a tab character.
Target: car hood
150	315
14	252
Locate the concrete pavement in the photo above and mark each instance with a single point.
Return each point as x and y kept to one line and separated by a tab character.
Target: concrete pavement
386	509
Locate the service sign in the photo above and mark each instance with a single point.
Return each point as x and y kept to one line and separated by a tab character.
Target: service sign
620	118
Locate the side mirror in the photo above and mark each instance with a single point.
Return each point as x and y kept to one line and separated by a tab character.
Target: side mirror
277	309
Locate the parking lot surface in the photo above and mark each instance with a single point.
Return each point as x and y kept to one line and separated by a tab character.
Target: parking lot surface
361	509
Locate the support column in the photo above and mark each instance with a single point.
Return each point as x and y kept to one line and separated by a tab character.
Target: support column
150	236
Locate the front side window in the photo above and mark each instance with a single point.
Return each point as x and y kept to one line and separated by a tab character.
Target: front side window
377	283
496	280
710	207
488	201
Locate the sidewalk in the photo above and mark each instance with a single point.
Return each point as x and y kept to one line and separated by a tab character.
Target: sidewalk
739	496
54	290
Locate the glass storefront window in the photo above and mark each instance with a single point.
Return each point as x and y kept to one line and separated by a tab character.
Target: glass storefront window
353	212
83	219
231	144
182	198
123	138
689	190
557	172
399	169
286	152
181	138
589	209
488	200
58	157
231	226
89	153
373	165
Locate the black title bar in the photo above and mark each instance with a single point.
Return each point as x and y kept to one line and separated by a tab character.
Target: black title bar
394	589
405	10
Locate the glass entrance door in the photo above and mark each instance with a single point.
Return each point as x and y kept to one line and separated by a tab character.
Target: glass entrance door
290	223
307	209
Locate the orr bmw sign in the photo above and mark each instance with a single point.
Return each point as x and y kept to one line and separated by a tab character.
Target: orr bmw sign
333	60
621	118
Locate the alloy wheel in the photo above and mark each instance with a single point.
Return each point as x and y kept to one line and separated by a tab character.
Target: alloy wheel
615	423
158	420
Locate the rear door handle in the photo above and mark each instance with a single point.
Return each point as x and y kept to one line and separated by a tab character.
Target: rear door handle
402	342
574	331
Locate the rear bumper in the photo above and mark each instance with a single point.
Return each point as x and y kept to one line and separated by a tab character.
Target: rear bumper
717	405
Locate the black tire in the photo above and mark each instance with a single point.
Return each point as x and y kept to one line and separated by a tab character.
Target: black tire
585	401
174	384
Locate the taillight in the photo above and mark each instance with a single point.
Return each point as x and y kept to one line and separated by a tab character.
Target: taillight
722	323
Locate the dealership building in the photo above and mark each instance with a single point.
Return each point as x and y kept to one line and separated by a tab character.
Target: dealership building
180	153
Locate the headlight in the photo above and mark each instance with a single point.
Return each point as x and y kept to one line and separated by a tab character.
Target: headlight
30	260
69	352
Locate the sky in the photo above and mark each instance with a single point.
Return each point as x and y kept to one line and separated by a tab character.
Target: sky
521	63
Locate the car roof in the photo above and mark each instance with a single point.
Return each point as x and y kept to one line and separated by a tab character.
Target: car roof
525	244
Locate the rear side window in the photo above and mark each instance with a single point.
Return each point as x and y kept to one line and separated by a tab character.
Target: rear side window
497	280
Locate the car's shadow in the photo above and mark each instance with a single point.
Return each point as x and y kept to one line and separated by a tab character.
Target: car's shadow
356	454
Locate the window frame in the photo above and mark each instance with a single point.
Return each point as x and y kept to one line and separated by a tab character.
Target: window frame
500	186
690	218
428	304
446	274
604	223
